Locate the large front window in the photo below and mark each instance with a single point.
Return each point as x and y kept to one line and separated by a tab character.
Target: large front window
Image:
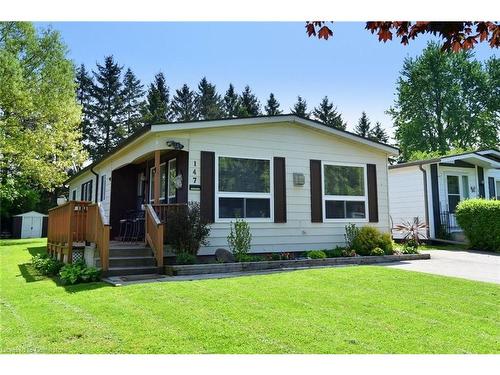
243	188
344	191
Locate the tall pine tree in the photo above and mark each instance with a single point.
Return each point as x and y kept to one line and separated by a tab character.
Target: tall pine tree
108	109
231	102
184	104
208	101
272	107
158	101
328	115
363	127
133	92
84	96
250	105
378	133
300	108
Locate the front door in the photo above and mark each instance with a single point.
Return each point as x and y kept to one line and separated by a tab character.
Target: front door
457	189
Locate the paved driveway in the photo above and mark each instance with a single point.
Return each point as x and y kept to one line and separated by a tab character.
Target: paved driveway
466	264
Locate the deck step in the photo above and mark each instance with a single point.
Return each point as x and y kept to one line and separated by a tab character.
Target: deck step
130	252
132	261
123	271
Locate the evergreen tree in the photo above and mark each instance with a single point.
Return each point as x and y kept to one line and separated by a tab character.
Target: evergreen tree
133	92
272	107
184	104
84	96
300	108
250	105
231	102
108	108
208	101
378	133
328	115
363	127
158	101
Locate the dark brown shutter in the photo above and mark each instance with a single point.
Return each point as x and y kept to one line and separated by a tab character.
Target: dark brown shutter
182	169
480	179
207	193
316	194
491	187
279	190
372	193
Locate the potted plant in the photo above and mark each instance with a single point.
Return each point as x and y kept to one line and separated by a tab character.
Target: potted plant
61	200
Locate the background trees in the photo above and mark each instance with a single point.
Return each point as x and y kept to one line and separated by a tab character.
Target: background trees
300	108
363	126
40	135
184	104
446	100
272	106
208	101
328	115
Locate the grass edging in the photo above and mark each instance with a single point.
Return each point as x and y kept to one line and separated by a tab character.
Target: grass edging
196	269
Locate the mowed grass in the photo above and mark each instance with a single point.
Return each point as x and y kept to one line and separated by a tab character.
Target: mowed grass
336	310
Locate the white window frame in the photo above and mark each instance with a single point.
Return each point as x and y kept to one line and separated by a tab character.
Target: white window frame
222	194
102	190
151	185
357	198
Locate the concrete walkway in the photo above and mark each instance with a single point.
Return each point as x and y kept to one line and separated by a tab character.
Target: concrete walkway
472	265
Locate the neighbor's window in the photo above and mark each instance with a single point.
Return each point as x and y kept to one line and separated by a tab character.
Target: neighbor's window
244	188
344	192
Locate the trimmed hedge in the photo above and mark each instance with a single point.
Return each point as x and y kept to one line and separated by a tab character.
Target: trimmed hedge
480	221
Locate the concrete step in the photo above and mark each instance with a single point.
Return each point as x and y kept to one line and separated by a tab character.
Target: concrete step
123	271
132	261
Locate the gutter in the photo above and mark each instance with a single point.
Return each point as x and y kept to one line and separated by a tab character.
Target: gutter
96	182
426	200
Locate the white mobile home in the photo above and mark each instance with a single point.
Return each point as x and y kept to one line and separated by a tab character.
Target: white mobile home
431	189
296	181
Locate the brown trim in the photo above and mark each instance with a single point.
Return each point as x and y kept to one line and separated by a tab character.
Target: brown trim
316	193
207	193
45	225
435	200
491	187
371	172
279	173
480	180
156	178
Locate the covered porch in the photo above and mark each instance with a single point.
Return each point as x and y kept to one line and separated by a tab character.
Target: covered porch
140	203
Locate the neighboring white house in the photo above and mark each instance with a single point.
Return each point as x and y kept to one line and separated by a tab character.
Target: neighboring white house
29	225
431	189
296	181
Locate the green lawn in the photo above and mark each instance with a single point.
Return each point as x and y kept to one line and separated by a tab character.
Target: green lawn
362	309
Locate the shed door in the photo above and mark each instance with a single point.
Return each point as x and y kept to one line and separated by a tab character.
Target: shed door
32	227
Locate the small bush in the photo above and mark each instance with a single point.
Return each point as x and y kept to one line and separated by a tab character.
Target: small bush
79	273
480	221
349	253
249	258
334	253
377	252
316	254
185	258
240	238
46	265
409	249
369	238
351	232
186	231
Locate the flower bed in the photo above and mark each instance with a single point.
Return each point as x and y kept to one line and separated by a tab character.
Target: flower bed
197	269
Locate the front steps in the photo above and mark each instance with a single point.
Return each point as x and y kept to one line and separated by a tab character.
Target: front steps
130	259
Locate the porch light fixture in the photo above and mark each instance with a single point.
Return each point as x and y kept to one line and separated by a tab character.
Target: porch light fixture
175	145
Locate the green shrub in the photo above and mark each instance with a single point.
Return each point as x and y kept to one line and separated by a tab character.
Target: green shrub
409	249
46	265
240	238
334	253
78	272
249	258
316	254
351	232
369	238
186	231
480	221
377	252
348	253
185	258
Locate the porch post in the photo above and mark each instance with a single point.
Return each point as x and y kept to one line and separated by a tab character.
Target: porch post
157	178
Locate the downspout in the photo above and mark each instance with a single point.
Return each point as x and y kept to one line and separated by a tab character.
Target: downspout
426	200
96	183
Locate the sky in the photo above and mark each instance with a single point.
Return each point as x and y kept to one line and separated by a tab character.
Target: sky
356	71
